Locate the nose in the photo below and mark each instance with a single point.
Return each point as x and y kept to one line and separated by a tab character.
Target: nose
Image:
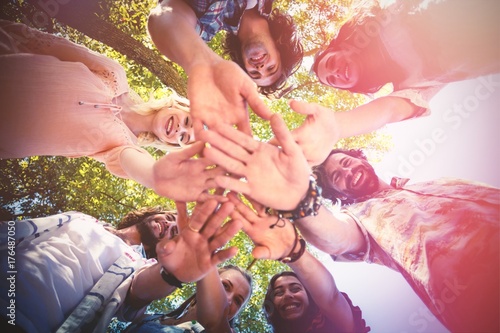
259	65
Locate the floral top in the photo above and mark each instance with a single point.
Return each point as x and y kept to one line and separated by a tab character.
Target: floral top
444	237
216	15
60	99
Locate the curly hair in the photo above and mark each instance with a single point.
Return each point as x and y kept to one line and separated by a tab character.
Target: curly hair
137	216
327	190
287	41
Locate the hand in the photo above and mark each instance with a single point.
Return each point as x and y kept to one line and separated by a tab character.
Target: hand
276	177
318	133
270	243
191	255
219	92
178	176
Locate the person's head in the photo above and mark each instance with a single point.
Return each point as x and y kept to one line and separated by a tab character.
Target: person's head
287	303
355	59
153	224
172	126
268	60
238	286
346	175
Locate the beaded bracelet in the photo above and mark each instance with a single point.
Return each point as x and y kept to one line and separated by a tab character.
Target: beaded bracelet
170	278
308	206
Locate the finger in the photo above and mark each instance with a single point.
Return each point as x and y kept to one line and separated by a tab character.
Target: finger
204	196
244	126
165	247
261	252
245	211
232	184
283	135
225	234
229	163
198	128
223	255
217	219
250	94
202	213
182	215
302	107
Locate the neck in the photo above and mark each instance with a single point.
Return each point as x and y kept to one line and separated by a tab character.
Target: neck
136	122
252	24
129	235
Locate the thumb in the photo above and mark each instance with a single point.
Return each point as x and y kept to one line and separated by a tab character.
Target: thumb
302	107
189	151
261	252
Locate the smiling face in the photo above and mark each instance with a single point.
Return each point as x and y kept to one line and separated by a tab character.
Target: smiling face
337	69
351	176
237	290
163	225
173	126
290	299
262	60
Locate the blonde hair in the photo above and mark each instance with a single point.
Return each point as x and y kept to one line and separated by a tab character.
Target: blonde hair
153	105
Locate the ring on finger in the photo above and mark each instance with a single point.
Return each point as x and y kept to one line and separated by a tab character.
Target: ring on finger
193	229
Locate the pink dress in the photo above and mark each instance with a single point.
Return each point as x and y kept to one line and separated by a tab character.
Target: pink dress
58	98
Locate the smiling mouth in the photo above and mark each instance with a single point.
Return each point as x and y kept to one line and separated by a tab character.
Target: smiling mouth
291	307
170	125
258	59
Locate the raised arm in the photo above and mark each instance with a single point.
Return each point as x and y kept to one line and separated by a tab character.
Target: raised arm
275	238
212	306
323	127
178	175
219	90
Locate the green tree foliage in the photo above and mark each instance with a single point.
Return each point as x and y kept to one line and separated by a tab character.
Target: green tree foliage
39	186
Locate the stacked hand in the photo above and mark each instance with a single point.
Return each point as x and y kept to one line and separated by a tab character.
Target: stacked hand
273	239
194	252
318	133
219	91
181	177
276	177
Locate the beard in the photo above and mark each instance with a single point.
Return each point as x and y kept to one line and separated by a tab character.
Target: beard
148	239
368	185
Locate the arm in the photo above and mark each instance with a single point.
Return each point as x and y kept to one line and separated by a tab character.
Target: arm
332	232
189	256
169	175
218	89
212	306
323	127
274	240
321	285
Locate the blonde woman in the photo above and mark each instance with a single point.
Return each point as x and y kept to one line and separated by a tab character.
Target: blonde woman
60	98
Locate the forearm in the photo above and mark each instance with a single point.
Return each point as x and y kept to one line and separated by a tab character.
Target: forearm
321	285
212	304
171	26
331	232
147	286
138	166
373	115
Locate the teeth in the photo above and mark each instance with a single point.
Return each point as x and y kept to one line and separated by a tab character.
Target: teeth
346	72
169	125
356	178
291	306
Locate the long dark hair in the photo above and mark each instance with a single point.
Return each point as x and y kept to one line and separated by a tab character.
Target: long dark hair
360	39
273	317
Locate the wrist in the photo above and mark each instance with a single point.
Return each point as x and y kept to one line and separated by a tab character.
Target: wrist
170	278
308	206
297	251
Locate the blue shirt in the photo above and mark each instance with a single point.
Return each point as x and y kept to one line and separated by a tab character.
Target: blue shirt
216	15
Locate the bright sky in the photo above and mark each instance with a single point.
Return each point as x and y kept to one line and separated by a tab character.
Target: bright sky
459	139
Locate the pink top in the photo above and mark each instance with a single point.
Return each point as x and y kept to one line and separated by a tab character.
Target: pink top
58	98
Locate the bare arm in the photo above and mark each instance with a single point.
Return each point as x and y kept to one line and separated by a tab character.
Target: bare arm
332	232
323	127
212	306
321	285
169	175
218	89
